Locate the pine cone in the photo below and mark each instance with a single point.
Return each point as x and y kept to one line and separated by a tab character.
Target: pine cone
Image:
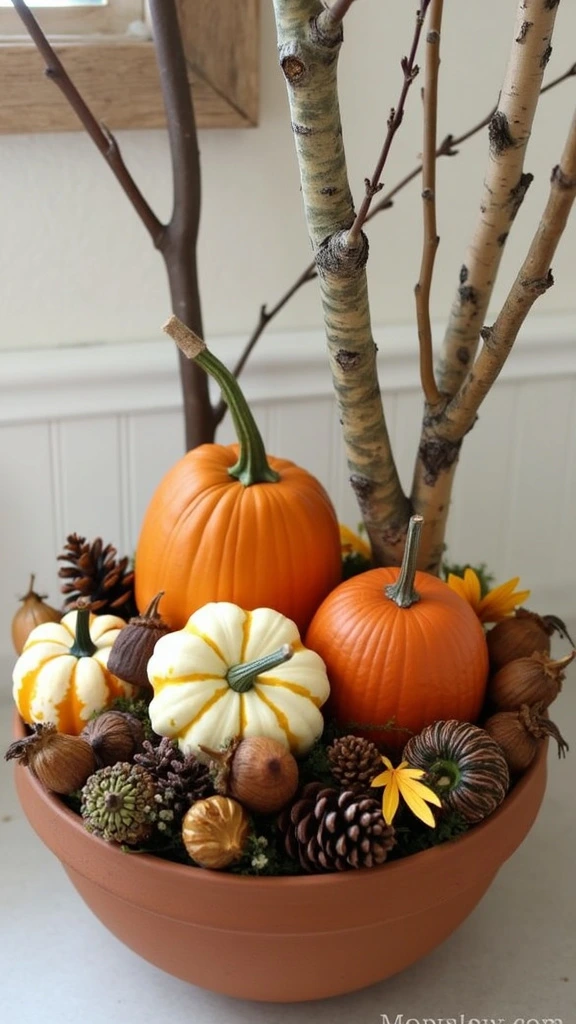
327	830
95	573
354	762
180	780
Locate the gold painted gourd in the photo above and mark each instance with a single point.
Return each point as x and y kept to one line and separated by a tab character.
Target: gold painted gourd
234	673
61	677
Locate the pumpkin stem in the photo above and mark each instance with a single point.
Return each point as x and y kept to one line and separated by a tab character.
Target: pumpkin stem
242	677
402	592
83	646
252	466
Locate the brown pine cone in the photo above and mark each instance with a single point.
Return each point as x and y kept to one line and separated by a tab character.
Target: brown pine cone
328	830
354	762
94	572
180	780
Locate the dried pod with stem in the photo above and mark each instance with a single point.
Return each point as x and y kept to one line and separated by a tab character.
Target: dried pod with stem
62	763
134	646
533	680
259	772
114	736
519	734
522	635
32	612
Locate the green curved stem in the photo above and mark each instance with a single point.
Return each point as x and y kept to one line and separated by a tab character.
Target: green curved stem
83	646
242	677
402	592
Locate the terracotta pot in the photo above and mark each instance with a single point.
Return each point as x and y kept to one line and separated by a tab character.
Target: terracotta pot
284	939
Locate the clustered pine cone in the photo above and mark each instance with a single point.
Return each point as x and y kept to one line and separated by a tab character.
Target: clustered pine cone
354	762
95	573
180	779
328	830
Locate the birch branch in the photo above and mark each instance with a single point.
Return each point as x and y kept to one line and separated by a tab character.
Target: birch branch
505	186
446	148
533	279
102	138
308	49
431	239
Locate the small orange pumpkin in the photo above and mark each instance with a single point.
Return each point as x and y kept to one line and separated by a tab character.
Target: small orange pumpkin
227	523
400	656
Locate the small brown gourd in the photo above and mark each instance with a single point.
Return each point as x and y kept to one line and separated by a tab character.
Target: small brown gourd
60	762
519	734
135	645
521	635
257	771
114	736
32	612
533	680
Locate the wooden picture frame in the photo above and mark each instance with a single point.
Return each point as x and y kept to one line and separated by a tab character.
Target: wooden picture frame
118	78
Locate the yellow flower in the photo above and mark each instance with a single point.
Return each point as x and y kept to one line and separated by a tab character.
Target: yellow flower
352	544
498	604
401	782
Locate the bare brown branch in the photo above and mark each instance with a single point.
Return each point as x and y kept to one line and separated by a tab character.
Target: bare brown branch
431	240
373	185
337	10
100	135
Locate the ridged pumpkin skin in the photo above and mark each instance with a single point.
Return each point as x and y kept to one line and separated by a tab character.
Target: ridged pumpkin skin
206	537
410	665
471	762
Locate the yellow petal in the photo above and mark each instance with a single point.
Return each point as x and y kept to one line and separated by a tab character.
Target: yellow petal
387	762
390	801
419	790
381	780
351	542
419	808
457	583
501	602
473	588
412	773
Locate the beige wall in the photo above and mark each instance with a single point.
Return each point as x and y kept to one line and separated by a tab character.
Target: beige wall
76	266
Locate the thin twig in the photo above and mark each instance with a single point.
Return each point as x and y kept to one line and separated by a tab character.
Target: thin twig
446	148
373	185
431	239
100	135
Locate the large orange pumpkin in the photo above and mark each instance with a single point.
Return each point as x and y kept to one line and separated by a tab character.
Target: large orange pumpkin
227	523
400	648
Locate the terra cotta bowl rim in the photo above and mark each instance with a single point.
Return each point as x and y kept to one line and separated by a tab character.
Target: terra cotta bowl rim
225	879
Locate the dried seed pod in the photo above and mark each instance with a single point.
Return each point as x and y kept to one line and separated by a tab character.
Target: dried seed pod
133	649
62	763
522	635
519	734
214	832
533	680
114	736
32	612
257	771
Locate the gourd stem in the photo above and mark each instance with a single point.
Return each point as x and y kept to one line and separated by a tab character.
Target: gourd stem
402	592
152	609
83	646
445	775
242	677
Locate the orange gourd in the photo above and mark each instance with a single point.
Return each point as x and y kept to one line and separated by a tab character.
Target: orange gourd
400	648
227	523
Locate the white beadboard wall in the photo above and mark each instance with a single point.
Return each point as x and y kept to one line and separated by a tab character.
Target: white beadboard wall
86	433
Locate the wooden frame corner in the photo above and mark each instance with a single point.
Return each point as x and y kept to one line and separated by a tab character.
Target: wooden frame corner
118	78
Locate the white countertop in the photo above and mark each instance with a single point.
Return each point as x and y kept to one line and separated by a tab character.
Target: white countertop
514	958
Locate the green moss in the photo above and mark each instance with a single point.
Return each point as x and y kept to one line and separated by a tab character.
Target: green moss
413	836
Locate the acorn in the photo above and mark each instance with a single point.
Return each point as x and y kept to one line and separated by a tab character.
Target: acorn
533	680
519	734
135	644
259	772
521	635
114	736
33	612
60	762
